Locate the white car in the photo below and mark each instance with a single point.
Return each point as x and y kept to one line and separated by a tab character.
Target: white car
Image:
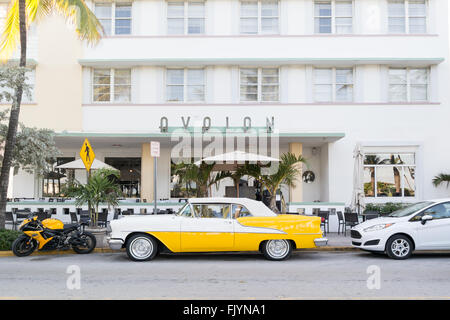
422	226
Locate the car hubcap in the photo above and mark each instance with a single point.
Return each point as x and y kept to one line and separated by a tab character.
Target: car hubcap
278	248
400	247
141	248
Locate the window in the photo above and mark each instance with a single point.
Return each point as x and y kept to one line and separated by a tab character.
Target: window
239	211
186	17
259	17
333	16
129	180
389	175
26	98
259	84
440	211
211	210
185	85
185	211
55	180
333	84
407	16
112	85
114	17
408	84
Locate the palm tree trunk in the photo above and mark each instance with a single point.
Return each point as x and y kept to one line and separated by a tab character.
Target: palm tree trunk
13	119
273	202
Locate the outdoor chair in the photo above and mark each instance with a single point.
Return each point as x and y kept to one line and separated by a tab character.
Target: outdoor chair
102	219
131	210
351	219
85	217
9	219
41	215
324	215
315	211
341	221
73	217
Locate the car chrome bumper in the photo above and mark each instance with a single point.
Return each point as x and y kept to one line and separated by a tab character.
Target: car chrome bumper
320	242
115	244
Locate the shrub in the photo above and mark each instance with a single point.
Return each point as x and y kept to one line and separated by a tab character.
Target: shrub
385	208
7	237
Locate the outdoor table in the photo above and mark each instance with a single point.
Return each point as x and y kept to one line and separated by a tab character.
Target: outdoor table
367	215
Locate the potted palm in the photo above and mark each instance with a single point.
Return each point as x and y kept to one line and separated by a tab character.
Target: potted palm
287	173
101	188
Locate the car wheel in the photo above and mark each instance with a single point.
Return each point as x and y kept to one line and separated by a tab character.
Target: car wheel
399	247
277	249
141	247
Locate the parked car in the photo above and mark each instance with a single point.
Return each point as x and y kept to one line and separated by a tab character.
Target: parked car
216	225
421	226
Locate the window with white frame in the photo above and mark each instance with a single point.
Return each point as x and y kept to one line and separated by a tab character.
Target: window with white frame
185	85
259	17
114	17
334	16
407	16
259	84
389	175
333	84
111	85
408	84
186	17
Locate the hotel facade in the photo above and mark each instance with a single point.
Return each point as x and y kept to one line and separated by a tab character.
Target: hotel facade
315	77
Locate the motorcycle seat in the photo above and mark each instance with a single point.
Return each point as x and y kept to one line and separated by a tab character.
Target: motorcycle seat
70	226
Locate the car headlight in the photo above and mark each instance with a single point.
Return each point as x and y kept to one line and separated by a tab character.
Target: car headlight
378	227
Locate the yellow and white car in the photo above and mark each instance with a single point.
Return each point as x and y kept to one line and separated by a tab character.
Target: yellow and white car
216	225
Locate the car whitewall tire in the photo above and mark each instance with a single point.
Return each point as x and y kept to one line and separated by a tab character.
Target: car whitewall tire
141	247
277	249
399	247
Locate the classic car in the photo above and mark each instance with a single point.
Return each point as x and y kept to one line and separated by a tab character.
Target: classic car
216	225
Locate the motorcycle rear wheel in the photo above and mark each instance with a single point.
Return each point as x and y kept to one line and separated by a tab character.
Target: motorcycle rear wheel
23	246
91	243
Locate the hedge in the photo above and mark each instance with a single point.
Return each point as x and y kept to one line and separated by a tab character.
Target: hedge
7	237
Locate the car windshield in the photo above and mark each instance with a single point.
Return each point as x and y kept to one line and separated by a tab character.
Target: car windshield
406	211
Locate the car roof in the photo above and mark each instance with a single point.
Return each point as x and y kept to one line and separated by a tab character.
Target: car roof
257	208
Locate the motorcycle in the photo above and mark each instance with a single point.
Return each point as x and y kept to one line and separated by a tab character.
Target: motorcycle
52	234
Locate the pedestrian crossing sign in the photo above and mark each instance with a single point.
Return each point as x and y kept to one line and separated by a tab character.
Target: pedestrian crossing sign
87	154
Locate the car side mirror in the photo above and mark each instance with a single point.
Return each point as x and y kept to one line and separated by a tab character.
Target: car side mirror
425	218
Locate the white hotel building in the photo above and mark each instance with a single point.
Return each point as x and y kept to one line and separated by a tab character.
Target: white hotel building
331	73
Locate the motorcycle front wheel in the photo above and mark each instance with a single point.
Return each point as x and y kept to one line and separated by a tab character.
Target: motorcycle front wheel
23	246
90	242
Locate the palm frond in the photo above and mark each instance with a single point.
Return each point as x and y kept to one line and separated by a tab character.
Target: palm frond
441	178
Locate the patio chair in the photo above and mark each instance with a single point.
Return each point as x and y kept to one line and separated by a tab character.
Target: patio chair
9	219
131	210
370	215
85	217
351	219
102	219
73	217
315	211
341	221
325	220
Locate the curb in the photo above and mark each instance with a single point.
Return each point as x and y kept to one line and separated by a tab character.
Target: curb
57	252
107	250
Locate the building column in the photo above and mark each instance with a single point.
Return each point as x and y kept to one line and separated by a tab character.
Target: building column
296	193
147	173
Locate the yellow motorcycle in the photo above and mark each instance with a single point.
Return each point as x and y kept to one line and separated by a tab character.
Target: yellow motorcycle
52	234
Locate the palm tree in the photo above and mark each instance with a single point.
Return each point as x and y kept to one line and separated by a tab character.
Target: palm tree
287	173
441	178
21	14
201	175
102	187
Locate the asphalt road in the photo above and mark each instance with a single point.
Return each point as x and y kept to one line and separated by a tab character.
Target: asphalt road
307	275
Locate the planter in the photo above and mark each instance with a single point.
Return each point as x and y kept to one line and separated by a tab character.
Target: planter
100	236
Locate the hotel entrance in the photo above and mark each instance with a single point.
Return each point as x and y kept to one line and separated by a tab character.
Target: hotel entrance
130	175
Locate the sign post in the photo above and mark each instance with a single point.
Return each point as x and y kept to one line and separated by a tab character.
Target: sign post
155	153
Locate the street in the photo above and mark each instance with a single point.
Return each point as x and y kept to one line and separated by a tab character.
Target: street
306	275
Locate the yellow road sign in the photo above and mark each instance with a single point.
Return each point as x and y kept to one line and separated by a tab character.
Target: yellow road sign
87	154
